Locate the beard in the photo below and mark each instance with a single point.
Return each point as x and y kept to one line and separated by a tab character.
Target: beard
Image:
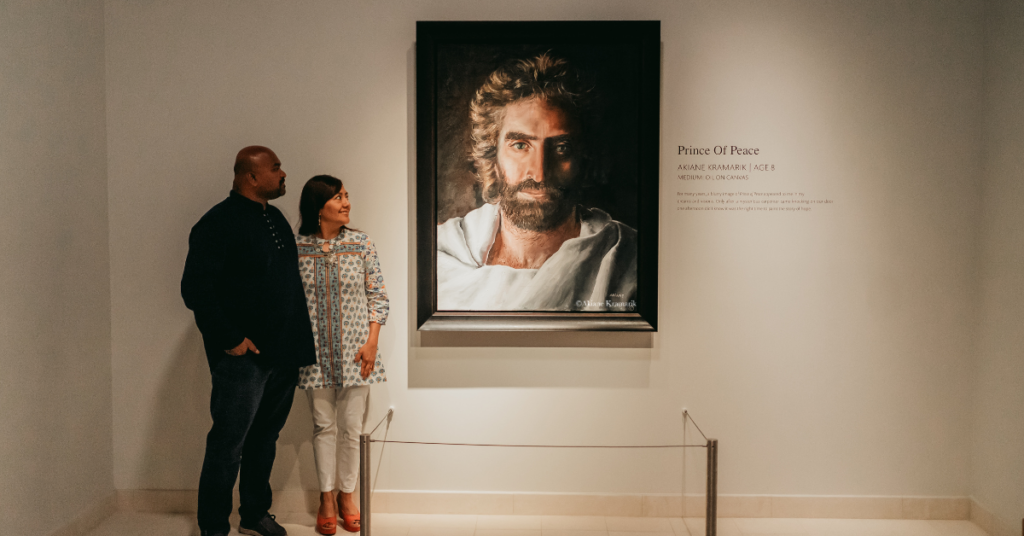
274	193
533	214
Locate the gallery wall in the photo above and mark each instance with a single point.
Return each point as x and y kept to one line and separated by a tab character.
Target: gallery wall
997	468
826	349
55	391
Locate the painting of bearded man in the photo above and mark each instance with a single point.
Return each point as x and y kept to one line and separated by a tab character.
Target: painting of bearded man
538	163
532	246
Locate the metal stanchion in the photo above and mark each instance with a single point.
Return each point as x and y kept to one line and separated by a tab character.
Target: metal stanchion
364	485
711	516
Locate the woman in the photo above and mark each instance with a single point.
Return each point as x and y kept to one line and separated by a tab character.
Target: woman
347	306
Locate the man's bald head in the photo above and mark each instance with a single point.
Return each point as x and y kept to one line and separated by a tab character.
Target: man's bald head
245	160
258	174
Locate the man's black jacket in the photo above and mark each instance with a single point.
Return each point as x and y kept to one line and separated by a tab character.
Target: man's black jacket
242	280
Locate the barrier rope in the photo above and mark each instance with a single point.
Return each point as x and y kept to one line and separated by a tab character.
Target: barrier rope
712	446
387	417
542	446
686	415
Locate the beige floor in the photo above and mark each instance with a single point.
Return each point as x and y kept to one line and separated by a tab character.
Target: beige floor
129	524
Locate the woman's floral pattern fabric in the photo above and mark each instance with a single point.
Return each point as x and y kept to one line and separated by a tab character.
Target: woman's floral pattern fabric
344	293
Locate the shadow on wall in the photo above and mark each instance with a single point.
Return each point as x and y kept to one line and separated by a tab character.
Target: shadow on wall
174	453
294	467
513	366
182	417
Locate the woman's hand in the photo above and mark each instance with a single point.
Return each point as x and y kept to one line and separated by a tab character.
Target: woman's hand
367	357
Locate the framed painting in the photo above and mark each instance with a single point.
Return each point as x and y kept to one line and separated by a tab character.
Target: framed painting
537	175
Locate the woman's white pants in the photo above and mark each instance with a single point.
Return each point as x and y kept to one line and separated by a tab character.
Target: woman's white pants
338	416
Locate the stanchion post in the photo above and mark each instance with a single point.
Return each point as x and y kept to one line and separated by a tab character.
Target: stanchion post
711	516
364	485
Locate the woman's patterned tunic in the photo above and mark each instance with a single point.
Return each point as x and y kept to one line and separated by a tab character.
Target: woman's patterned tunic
344	293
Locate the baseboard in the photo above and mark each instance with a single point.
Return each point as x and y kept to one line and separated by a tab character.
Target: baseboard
651	505
89	518
991	524
627	505
185	501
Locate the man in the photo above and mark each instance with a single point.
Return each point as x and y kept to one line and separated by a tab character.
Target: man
242	281
531	246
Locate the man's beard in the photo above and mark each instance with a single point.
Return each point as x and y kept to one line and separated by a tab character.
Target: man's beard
536	215
275	193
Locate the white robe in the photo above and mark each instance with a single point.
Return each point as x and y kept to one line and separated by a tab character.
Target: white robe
595	271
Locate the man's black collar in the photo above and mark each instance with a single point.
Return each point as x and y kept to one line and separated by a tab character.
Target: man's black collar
245	201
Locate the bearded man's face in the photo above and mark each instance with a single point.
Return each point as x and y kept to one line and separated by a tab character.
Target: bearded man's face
538	165
269	175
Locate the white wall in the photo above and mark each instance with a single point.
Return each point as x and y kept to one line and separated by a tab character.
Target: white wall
997	462
55	391
826	350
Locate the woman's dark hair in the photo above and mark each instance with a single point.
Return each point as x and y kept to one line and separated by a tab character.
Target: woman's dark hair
315	194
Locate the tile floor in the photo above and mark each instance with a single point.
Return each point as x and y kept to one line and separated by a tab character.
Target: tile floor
132	524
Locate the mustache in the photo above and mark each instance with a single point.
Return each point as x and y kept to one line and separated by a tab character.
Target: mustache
530	184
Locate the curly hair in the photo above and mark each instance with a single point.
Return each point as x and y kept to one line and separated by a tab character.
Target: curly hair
543	76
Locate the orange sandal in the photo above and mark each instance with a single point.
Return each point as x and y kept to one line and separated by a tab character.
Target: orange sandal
326	525
350	522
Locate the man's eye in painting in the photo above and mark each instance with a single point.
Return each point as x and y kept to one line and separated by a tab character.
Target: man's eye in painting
519	145
563	149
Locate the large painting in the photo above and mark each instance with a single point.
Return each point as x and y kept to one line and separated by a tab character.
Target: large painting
537	175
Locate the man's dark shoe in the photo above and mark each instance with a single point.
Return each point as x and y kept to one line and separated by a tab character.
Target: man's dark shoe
212	533
265	527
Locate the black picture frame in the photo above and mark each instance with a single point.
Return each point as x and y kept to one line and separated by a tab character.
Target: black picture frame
628	56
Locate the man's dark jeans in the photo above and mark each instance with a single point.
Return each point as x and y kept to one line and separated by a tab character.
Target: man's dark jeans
249	404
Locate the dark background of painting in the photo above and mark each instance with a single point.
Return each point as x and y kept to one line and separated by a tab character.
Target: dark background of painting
611	182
